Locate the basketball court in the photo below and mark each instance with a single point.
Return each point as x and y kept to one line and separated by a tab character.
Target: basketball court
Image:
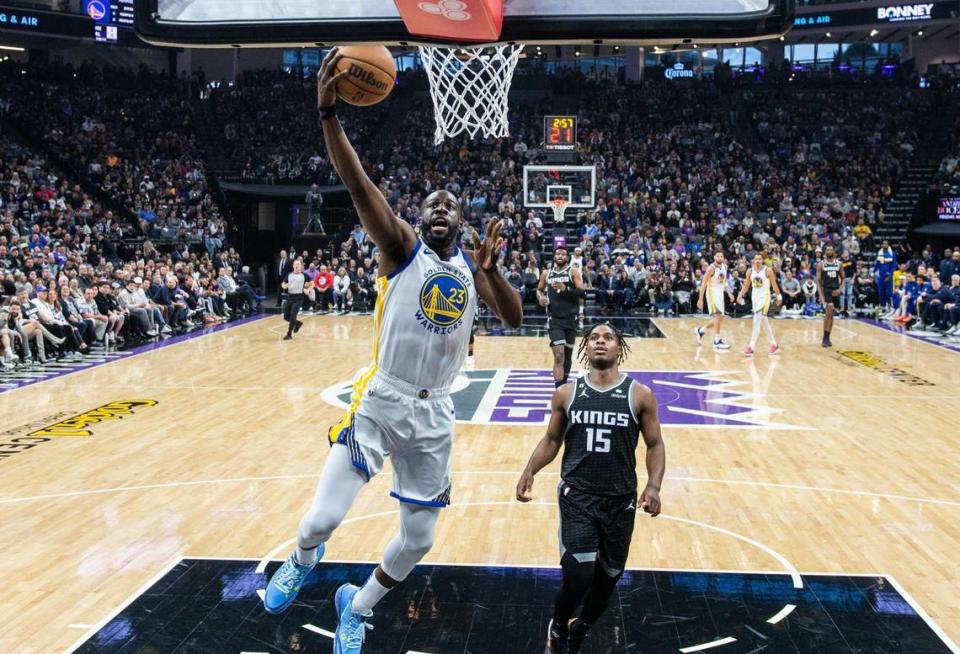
804	505
809	505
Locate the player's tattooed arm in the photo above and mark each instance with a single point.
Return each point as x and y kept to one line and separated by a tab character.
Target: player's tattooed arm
395	238
549	446
645	406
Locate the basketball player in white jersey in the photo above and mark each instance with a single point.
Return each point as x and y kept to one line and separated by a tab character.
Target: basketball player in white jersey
714	288
762	280
401	405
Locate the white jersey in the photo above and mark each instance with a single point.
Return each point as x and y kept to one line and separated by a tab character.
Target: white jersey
716	289
423	319
759	289
401	406
719	279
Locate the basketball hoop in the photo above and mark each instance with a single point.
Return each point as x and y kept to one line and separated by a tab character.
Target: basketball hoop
469	87
559	205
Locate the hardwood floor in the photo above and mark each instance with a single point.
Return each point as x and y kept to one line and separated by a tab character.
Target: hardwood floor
813	460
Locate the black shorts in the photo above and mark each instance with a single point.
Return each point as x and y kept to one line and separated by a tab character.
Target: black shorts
596	527
829	297
562	333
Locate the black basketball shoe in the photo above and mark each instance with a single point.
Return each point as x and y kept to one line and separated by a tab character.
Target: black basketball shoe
557	638
577	634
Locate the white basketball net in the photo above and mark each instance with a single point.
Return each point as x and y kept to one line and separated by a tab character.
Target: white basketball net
559	208
469	87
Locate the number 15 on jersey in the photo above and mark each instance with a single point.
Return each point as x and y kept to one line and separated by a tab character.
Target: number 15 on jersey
598	440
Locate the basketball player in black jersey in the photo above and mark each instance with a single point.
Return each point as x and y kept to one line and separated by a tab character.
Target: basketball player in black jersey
829	281
598	420
560	291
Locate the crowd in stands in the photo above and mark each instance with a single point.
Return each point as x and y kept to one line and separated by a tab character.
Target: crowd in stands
112	199
129	138
108	232
270	131
683	170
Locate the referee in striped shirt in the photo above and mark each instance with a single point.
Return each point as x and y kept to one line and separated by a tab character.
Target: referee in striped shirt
291	306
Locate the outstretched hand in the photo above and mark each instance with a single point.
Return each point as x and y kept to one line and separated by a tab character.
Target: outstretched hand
489	251
327	79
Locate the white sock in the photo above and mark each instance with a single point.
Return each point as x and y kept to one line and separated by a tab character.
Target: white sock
755	334
306	556
368	596
766	323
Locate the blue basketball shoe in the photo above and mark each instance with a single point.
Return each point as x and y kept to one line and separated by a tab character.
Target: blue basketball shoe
351	626
287	581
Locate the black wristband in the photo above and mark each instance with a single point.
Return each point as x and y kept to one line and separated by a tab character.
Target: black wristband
328	112
492	269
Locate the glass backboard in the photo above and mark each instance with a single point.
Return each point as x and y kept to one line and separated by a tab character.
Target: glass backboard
306	22
576	184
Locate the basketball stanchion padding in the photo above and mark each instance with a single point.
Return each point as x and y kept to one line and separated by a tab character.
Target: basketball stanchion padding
461	21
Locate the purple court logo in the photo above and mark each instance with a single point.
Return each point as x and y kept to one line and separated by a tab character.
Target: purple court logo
510	396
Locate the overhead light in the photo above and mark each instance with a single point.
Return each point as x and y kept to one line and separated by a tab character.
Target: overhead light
920	33
874	32
829	35
617	47
12	48
783	38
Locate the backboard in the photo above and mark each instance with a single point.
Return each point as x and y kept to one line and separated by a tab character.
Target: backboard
542	184
223	23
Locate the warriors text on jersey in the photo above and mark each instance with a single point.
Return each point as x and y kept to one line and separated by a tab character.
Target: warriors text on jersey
424	314
563	305
600	443
830	277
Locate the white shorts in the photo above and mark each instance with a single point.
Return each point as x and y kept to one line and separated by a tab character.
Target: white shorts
761	302
715	297
414	427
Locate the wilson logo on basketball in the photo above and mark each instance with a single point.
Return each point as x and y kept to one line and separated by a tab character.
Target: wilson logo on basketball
365	76
449	9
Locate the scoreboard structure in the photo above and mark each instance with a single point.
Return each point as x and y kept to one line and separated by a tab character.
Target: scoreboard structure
560	137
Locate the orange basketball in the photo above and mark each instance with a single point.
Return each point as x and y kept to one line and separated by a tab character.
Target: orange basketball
370	74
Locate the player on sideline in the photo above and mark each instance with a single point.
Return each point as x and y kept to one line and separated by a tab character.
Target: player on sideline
829	281
560	291
597	419
714	287
401	405
762	280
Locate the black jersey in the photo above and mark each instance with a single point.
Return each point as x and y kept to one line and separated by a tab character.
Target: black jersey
563	305
600	444
830	275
